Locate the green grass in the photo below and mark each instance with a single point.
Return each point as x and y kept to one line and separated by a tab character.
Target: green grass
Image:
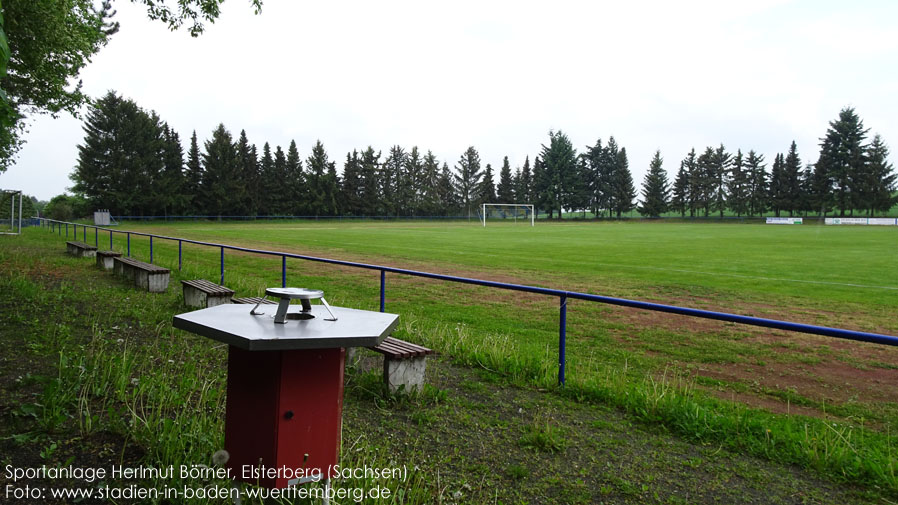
660	374
752	262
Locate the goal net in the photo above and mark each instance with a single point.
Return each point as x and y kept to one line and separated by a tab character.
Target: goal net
508	212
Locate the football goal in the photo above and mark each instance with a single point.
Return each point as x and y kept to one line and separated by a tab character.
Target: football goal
15	212
508	212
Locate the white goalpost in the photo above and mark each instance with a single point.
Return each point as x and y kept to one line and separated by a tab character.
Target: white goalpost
509	211
12	211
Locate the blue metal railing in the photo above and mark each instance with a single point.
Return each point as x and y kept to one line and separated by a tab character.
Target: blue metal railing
562	295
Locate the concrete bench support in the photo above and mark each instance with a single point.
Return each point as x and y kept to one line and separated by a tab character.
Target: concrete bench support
404	364
80	249
202	293
104	259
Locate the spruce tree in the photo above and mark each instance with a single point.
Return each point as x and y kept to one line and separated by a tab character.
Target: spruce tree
655	189
466	180
430	185
170	190
679	201
268	181
694	184
624	190
293	192
792	181
352	184
721	165
448	198
821	195
843	155
505	189
120	162
248	172
410	183
278	191
882	178
524	189
541	188
757	183
705	180
738	189
332	196
777	191
389	180
193	177
221	184
370	169
486	192
560	160
322	183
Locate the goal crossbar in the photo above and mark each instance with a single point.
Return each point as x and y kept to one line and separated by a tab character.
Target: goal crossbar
527	207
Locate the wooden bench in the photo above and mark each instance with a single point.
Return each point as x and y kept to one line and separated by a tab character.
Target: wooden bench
80	249
144	275
104	259
202	293
404	362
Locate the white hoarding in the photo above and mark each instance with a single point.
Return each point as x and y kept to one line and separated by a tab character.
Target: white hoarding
784	220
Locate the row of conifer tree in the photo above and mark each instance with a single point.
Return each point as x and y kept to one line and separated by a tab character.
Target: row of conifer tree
133	163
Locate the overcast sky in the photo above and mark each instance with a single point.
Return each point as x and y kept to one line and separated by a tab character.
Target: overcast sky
497	75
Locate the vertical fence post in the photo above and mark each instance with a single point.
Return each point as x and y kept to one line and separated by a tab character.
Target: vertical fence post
151	249
562	330
85	233
110	240
96	237
383	288
67	231
129	244
179	255
283	271
222	267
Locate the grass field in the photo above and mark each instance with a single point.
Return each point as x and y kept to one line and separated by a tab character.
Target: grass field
818	403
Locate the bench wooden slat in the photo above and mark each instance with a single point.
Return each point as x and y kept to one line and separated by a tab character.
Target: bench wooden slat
400	349
392	351
141	265
208	287
81	245
407	350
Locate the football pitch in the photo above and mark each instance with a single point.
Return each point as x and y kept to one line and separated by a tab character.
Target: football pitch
851	269
810	400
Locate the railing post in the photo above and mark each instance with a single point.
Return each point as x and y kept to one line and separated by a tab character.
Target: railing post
151	249
96	237
222	267
85	233
179	255
283	271
562	330
67	231
129	244
383	288
110	240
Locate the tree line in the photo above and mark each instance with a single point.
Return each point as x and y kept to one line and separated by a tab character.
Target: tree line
133	163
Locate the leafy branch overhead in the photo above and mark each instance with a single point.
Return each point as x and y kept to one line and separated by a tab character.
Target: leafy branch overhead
44	45
193	11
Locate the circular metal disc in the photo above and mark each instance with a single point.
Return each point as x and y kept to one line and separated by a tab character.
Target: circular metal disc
295	293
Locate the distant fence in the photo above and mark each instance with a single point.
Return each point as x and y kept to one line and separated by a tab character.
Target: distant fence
563	296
